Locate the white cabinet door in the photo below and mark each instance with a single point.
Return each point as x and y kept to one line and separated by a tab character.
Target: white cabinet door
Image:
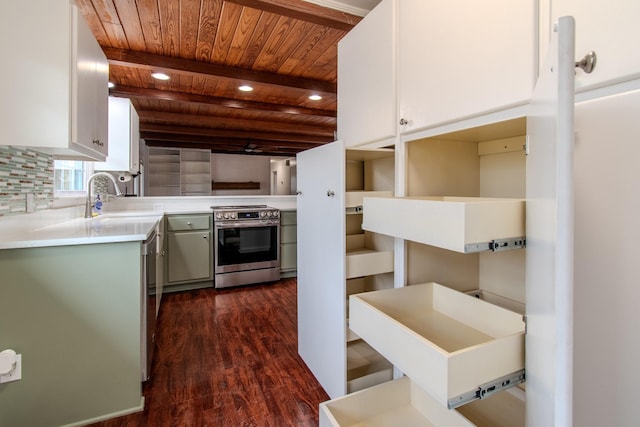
89	100
35	106
463	58
55	86
367	78
549	257
134	143
611	30
607	344
321	265
124	136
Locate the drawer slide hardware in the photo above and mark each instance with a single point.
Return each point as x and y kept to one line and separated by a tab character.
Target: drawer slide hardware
496	245
486	390
354	210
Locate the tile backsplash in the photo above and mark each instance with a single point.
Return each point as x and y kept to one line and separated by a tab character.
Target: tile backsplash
24	174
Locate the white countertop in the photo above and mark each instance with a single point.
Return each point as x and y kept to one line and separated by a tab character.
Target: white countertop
107	228
124	219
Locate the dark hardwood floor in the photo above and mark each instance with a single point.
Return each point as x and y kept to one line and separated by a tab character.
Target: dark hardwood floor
228	358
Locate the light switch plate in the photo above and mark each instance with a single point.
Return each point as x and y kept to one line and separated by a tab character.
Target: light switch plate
16	374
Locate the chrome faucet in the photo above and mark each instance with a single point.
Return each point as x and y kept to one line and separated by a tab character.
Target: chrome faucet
87	206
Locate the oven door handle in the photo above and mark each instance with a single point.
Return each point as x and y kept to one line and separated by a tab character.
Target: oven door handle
247	224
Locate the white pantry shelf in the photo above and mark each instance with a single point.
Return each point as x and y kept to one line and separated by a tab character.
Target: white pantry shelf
402	403
452	223
447	342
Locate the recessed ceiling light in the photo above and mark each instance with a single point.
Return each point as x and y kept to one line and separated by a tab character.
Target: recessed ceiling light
315	97
111	85
245	88
160	76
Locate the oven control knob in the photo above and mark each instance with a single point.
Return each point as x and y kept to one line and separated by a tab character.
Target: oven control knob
263	214
269	214
226	215
233	215
218	215
275	214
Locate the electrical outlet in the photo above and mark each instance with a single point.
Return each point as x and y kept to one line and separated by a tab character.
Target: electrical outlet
16	374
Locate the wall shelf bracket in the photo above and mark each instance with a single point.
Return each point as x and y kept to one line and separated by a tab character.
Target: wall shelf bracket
496	245
487	389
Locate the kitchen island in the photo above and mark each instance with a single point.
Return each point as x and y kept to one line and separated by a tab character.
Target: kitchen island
70	304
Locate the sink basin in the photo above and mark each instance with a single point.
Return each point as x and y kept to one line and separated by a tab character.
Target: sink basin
128	214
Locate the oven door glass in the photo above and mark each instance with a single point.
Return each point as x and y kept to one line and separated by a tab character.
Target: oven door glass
246	246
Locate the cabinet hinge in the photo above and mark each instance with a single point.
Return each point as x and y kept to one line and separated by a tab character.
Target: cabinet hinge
485	390
496	245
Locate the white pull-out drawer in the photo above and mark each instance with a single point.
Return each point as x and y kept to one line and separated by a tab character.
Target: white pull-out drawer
354	198
403	403
446	222
365	262
447	342
365	366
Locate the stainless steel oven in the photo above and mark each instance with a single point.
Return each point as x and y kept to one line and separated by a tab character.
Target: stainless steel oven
247	245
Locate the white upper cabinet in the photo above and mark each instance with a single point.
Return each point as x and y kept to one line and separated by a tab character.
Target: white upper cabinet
608	28
366	78
464	58
124	138
55	86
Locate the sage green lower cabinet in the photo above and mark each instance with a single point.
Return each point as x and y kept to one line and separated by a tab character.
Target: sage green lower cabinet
73	313
288	244
189	253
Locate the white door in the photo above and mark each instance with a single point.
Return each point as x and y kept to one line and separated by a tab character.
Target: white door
321	265
549	275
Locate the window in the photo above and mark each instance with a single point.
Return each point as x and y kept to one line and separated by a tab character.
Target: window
70	176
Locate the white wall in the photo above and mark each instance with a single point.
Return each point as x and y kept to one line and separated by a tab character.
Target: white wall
241	168
281	170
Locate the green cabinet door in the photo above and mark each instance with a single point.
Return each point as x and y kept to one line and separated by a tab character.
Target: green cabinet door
189	256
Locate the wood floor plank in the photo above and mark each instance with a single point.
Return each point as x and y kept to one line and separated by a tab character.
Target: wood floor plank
228	358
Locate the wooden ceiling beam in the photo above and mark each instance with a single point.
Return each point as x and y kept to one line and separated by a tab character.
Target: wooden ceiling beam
166	95
222	147
236	140
149	61
213	122
307	12
150	130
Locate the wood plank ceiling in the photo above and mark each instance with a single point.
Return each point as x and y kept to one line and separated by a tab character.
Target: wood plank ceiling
285	49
